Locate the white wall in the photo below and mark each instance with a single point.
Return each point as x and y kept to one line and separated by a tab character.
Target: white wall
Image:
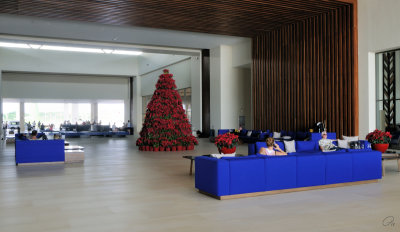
31	60
186	71
150	62
230	85
51	28
377	31
57	86
102	84
181	71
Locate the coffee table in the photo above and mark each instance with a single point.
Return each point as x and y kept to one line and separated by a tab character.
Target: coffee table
192	157
390	156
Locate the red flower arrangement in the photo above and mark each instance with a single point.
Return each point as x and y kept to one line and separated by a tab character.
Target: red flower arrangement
165	124
379	137
227	140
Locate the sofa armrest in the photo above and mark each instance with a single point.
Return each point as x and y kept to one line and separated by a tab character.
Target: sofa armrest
212	175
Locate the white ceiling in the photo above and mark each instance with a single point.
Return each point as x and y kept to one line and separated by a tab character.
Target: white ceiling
147	39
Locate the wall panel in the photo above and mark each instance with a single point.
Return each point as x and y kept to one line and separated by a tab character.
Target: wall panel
304	73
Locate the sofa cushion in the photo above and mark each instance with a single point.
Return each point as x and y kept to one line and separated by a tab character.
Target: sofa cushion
301	135
343	143
350	138
303	146
280	172
255	134
281	145
290	146
246	175
339	167
243	132
263	136
277	135
367	165
310	170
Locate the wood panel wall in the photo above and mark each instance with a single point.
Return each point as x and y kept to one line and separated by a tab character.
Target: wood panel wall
304	73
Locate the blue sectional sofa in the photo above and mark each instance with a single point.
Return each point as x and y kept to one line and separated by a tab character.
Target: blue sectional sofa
39	151
307	168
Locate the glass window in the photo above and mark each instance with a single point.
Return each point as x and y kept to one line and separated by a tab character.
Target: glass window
10	111
47	113
380	114
110	113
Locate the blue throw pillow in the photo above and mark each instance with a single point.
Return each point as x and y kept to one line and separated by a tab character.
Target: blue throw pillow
281	145
302	146
301	135
263	136
259	145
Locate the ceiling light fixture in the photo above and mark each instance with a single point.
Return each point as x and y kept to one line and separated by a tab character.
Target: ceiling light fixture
13	45
125	52
70	49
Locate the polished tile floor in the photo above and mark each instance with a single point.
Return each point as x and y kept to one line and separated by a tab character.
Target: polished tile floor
118	188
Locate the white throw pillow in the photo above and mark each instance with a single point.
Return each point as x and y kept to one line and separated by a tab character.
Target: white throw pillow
219	156
290	146
343	143
286	137
249	133
277	135
350	138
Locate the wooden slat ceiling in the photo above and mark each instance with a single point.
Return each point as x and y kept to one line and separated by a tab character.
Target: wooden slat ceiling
235	17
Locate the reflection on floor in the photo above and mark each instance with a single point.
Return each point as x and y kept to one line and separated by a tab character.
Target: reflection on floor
118	188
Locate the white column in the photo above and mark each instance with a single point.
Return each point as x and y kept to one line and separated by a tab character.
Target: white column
1	109
195	84
215	88
22	116
75	113
137	104
94	113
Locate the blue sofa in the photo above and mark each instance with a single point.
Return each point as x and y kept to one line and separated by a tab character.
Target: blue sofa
39	151
307	167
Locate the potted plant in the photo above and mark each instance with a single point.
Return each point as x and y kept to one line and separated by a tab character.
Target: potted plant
226	143
156	146
380	140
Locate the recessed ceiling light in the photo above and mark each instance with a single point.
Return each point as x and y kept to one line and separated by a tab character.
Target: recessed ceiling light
71	49
124	52
13	45
34	46
107	51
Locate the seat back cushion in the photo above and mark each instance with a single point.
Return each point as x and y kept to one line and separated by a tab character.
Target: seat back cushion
303	146
290	146
247	175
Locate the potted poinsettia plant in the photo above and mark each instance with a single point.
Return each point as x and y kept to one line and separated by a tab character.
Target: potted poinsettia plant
380	140
226	143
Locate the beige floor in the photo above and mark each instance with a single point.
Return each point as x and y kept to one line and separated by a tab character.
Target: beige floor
119	188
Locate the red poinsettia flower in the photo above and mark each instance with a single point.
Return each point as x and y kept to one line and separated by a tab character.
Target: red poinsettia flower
378	136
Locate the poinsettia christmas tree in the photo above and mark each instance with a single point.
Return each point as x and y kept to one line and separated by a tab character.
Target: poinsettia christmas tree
166	125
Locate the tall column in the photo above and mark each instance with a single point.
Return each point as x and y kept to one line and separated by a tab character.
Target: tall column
1	110
22	116
75	113
94	113
137	104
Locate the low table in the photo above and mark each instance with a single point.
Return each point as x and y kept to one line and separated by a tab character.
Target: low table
192	157
390	156
74	148
74	154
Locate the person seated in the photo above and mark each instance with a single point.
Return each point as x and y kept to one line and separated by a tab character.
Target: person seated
34	135
326	144
272	148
